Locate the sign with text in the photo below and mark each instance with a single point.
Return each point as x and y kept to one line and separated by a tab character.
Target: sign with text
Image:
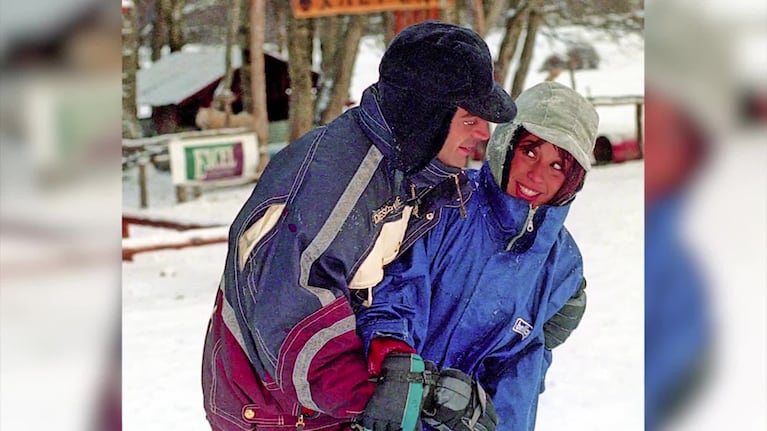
217	158
314	8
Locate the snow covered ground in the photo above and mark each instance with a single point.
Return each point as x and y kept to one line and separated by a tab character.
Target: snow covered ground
596	380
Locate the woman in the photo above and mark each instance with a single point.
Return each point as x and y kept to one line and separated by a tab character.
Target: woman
475	294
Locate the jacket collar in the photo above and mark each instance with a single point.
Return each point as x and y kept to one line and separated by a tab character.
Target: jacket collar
434	173
508	214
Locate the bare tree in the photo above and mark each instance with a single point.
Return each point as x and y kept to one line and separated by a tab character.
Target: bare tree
167	26
301	112
615	18
282	16
159	32
258	80
478	13
515	21
389	22
174	14
495	9
328	31
243	40
533	22
130	126
225	97
345	55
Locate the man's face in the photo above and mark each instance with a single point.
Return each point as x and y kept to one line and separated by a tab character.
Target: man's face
537	171
466	132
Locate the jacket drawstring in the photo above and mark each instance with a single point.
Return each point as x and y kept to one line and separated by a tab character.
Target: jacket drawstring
460	195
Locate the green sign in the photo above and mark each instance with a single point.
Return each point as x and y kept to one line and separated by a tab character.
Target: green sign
214	162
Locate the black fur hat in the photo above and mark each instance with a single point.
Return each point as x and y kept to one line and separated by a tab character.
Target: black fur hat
429	70
448	64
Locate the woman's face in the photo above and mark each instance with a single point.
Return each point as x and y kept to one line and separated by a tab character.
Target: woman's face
537	171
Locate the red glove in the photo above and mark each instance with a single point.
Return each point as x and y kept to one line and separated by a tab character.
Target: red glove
380	347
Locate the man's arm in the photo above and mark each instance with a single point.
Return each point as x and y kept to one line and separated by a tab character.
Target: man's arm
559	327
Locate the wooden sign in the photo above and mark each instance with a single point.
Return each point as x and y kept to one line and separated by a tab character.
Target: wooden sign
315	8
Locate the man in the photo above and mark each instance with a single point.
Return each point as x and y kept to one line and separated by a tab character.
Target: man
329	211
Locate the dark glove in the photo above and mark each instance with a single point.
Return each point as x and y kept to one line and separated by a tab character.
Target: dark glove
458	403
398	397
562	324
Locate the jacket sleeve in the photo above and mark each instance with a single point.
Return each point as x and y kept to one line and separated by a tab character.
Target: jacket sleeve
562	324
566	274
400	307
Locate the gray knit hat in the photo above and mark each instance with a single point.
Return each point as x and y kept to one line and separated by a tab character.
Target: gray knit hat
553	112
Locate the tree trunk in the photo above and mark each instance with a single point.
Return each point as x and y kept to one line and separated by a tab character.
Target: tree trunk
329	32
514	24
449	14
159	32
494	13
231	41
301	109
344	60
243	40
389	22
258	80
533	22
175	21
130	125
281	11
460	11
478	11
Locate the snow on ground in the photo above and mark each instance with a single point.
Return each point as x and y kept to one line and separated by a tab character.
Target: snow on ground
596	379
595	382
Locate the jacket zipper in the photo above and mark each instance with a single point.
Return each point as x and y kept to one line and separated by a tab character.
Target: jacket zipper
527	227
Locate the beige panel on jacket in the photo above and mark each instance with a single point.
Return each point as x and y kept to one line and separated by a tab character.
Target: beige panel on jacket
258	230
386	248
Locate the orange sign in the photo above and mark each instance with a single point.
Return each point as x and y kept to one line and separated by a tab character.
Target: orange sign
314	8
407	18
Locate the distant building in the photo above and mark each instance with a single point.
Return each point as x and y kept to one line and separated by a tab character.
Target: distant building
170	92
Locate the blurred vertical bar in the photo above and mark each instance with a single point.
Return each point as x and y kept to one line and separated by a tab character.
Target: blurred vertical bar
706	213
60	201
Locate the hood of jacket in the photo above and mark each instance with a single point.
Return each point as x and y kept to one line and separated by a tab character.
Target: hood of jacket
552	112
409	129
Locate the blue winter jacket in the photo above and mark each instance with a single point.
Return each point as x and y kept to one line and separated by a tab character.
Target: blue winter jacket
677	317
463	301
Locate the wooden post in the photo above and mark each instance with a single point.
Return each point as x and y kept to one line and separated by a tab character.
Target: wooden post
180	193
142	183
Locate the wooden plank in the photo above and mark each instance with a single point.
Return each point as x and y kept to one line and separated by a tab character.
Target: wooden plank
616	100
315	8
190	238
